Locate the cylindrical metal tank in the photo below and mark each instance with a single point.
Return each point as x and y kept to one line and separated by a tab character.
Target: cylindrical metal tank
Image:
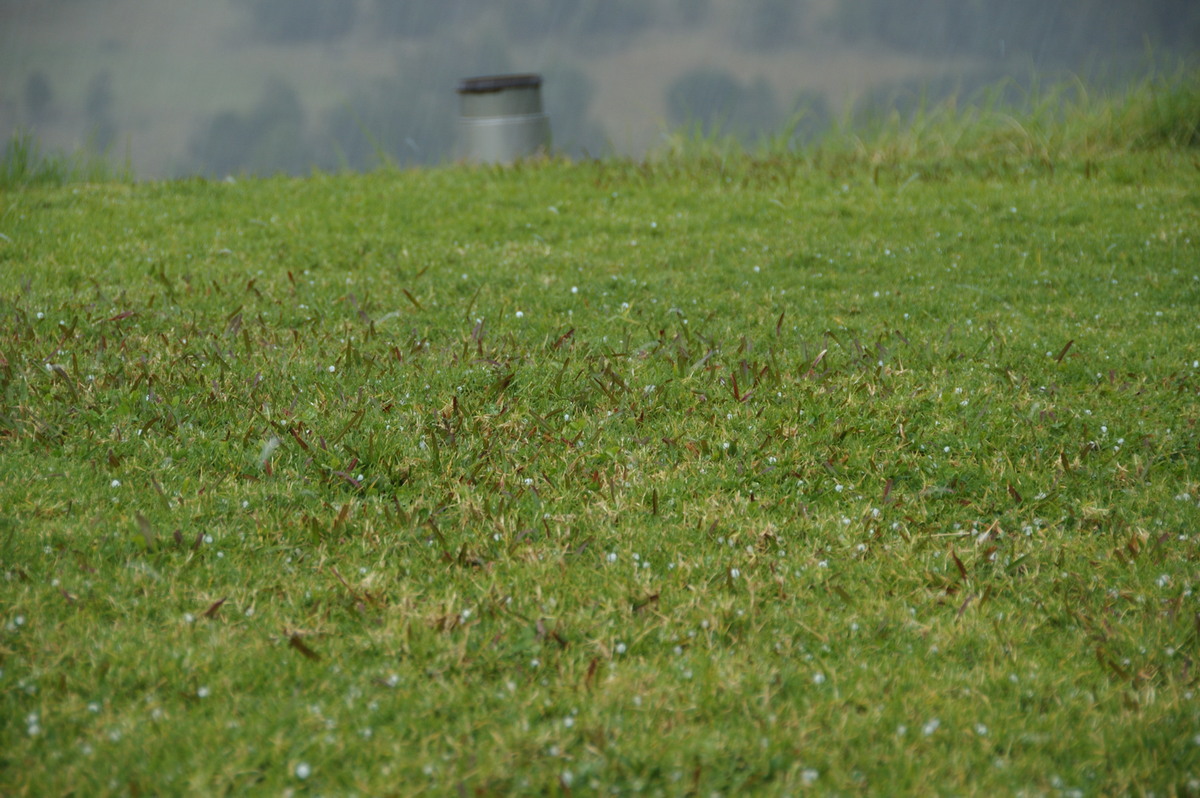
502	118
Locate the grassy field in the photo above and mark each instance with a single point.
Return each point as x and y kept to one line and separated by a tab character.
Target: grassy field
873	469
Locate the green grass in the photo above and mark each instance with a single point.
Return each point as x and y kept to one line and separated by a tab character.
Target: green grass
711	474
23	164
1005	123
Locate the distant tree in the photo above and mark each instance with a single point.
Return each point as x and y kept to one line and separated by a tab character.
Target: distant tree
758	112
39	96
222	146
568	93
98	102
377	125
411	116
704	96
717	102
287	21
270	139
99	98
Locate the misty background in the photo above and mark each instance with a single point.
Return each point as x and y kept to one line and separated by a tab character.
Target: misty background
178	87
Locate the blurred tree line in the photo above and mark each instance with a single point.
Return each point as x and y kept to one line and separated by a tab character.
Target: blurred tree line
403	118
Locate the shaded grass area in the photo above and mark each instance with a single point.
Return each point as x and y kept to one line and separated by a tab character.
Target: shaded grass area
705	474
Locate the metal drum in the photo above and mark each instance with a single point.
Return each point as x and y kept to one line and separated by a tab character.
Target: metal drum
502	118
